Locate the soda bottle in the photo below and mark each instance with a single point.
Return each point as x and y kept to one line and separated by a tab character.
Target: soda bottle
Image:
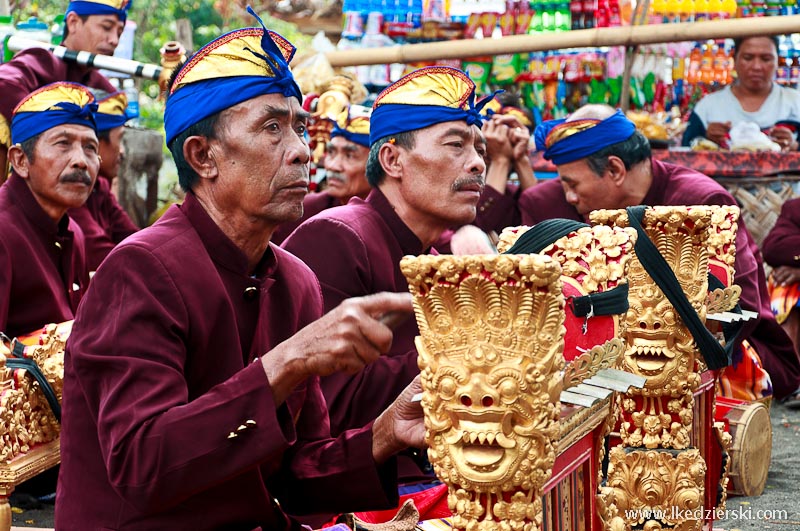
537	20
602	14
589	13
693	72
707	65
658	11
686	11
701	10
563	17
673	11
721	67
576	12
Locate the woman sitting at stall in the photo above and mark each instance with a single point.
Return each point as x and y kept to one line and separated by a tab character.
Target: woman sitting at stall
753	97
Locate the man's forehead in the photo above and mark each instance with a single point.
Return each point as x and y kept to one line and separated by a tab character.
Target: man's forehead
70	130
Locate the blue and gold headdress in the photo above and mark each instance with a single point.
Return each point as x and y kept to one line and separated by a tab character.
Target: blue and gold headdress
112	111
439	94
495	107
564	142
354	127
100	7
52	105
233	68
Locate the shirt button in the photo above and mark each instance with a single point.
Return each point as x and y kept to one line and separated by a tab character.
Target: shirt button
250	293
58	245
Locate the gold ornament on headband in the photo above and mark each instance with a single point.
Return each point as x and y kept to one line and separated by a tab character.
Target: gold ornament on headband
567	129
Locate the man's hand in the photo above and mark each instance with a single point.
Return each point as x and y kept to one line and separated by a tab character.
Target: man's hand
346	339
401	425
785	275
498	145
784	137
718	132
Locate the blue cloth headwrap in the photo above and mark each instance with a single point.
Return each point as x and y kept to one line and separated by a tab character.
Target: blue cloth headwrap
362	139
199	100
613	129
394	118
93	8
106	122
26	125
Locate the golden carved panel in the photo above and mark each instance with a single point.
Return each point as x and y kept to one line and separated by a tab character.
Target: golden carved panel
490	356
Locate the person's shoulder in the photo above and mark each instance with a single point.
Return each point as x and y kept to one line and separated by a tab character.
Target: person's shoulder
170	236
687	184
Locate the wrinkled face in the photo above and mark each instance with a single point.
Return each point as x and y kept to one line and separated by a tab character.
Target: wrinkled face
756	62
585	190
346	166
444	174
111	152
64	168
98	34
262	158
659	344
483	410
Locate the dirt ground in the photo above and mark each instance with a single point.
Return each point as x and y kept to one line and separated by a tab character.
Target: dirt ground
777	509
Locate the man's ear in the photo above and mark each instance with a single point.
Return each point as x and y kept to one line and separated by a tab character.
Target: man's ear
72	22
198	154
390	157
616	170
19	160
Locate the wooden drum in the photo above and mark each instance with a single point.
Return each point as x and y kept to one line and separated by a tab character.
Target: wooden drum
751	449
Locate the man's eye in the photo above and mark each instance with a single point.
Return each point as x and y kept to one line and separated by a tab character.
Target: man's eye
301	129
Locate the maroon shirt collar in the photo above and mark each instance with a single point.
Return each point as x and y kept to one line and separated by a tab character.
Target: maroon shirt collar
219	247
32	210
655	195
408	241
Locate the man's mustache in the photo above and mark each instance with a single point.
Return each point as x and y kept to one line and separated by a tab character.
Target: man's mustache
78	176
464	182
335	175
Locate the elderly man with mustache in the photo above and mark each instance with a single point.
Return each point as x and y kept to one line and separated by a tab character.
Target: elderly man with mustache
54	159
427	170
345	166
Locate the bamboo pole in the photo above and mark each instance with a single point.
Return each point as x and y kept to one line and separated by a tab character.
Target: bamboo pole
619	36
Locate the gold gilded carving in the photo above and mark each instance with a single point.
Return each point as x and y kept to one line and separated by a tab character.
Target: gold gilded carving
660	347
723	300
722	237
490	356
331	105
656	422
590	363
657	489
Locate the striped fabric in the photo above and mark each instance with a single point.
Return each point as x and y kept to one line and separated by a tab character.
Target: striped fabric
746	380
783	299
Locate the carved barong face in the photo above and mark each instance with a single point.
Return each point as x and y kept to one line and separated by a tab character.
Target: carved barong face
660	346
491	336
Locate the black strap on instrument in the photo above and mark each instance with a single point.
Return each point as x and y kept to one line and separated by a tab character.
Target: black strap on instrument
658	269
541	235
17	360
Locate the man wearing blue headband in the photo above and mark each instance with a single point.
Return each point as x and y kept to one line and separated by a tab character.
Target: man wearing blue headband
54	165
191	396
426	166
90	26
604	162
345	169
103	221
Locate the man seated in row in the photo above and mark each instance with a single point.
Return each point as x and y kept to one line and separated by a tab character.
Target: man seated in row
191	390
92	26
54	159
345	169
603	162
103	221
426	167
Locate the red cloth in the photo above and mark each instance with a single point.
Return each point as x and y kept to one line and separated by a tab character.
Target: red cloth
103	221
42	265
161	368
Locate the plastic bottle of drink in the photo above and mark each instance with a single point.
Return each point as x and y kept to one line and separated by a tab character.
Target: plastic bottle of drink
701	10
589	13
721	67
576	12
687	11
673	10
773	8
693	71
614	15
707	65
602	14
548	18
132	93
729	8
658	9
715	10
537	19
563	17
